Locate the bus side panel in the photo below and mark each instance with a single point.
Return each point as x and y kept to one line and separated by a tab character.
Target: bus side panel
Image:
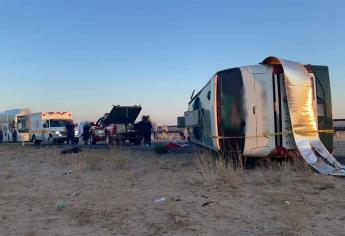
249	100
202	133
324	104
213	113
264	110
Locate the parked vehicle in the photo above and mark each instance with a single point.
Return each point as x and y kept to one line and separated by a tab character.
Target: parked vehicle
15	125
50	127
118	126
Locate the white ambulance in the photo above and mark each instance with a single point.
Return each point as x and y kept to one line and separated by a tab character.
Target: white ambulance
50	127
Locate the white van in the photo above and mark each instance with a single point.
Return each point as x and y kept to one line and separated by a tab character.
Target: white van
15	125
50	127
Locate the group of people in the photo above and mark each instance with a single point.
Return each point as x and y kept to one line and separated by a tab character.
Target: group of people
143	128
14	131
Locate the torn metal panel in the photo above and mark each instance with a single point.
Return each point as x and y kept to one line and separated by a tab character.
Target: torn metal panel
302	104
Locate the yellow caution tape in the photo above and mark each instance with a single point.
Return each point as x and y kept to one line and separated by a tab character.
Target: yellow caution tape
327	131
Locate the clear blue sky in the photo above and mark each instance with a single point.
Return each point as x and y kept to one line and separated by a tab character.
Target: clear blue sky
83	56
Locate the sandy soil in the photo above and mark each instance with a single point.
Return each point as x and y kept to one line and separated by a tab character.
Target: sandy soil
115	192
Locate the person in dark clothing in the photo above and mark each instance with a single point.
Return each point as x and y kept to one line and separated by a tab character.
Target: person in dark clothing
86	132
70	132
14	132
14	136
1	136
146	127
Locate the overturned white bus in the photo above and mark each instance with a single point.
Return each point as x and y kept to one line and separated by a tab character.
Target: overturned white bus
246	108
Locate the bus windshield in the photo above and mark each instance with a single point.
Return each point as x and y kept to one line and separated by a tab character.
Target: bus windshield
58	123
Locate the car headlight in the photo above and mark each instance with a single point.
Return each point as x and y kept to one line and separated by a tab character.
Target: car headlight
76	132
57	132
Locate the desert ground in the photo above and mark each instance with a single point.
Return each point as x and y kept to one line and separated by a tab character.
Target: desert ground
135	191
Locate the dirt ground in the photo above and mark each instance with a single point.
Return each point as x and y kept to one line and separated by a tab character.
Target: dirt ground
138	192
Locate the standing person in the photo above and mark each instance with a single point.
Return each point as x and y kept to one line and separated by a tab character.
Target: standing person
1	136
86	132
70	132
14	136
14	132
147	129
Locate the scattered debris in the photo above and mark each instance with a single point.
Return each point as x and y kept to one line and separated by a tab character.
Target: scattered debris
74	194
60	205
70	150
67	172
206	203
158	200
172	146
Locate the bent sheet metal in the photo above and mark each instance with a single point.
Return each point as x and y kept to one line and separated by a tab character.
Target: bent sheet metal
303	115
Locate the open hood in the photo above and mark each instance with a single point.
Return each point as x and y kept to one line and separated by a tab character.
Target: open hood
123	115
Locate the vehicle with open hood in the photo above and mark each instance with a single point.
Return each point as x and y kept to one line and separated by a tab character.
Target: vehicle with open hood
117	126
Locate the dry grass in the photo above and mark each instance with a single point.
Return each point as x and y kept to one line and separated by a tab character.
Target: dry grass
93	159
298	163
31	233
230	175
131	178
10	173
275	198
122	162
177	214
285	174
213	167
293	217
208	165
